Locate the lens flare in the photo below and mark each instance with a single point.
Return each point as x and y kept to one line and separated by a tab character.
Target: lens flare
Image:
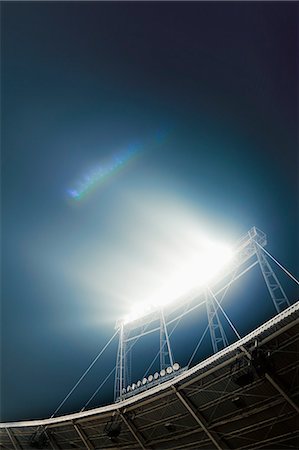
97	175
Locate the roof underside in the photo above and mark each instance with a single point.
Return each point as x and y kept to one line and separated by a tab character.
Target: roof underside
227	402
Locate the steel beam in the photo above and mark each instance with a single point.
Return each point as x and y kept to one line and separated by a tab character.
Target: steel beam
243	415
137	435
83	437
166	358
276	440
281	391
13	439
199	419
260	424
52	441
218	336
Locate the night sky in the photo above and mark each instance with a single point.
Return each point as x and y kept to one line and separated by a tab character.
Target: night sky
191	112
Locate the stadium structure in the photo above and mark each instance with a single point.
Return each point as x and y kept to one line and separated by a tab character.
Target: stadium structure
244	396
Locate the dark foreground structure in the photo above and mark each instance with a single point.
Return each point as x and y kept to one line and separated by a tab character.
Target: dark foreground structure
243	397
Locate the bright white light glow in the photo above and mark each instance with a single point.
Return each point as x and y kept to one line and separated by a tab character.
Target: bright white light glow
197	269
150	249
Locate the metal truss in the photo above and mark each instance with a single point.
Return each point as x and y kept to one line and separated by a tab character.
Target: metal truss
124	354
197	410
248	252
166	358
218	336
275	289
120	372
83	437
194	412
123	363
51	439
13	439
133	430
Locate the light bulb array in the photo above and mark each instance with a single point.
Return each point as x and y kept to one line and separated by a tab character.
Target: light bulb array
152	380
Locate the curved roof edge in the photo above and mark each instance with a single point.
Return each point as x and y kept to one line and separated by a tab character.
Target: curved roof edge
108	409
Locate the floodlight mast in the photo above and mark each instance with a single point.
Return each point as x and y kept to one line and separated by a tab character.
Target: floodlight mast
119	373
257	240
123	360
275	289
248	247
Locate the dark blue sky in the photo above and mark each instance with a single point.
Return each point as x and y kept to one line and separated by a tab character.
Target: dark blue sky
80	83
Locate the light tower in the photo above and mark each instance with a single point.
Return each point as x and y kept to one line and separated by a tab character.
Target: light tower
247	253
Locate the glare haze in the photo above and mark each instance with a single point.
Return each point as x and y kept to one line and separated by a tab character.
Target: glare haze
208	92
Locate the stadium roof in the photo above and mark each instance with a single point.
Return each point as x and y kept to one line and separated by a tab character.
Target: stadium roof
243	397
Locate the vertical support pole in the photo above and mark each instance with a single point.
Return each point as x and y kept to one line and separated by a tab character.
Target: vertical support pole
275	289
166	357
218	336
127	360
121	378
120	374
117	373
163	351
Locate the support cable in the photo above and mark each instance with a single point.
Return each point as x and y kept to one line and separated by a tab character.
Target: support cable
97	390
106	379
278	263
270	378
231	324
84	374
207	327
198	345
225	315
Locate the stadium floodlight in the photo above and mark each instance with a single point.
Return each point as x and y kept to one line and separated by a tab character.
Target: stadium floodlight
163	373
129	389
139	310
144	381
176	366
150	378
139	383
169	370
156	375
134	387
197	268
